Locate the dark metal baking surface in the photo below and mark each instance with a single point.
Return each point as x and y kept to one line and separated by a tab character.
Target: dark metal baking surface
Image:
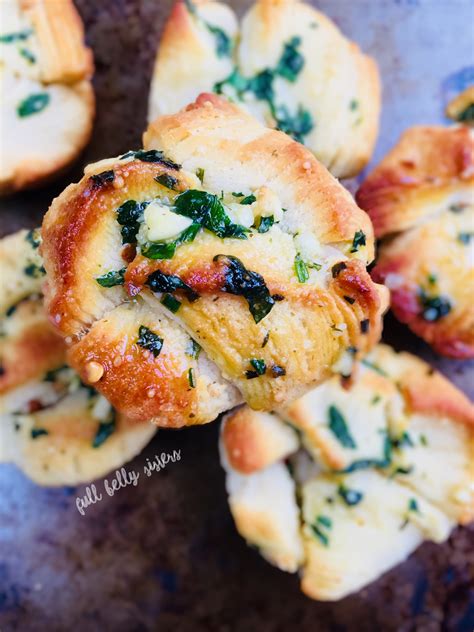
164	555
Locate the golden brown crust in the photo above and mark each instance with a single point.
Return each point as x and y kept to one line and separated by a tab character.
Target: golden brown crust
422	195
30	347
339	90
417	177
60	32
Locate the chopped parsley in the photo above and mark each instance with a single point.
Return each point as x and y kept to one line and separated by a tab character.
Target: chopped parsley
412	508
465	238
18	36
374	367
318	528
358	241
193	349
375	399
167	250
467	115
364	325
265	223
33	237
167	181
354	104
35	271
423	440
151	155
105	429
433	307
200	174
147	339
38	432
403	441
101	179
171	303
249	199
28	55
382	463
266	339
251	285
191	378
301	269
337	269
350	496
206	210
291	61
33	104
112	278
129	216
259	368
223	42
160	282
339	428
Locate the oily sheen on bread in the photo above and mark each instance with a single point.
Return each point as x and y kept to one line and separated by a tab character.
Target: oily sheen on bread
286	63
352	478
222	233
421	201
47	103
57	430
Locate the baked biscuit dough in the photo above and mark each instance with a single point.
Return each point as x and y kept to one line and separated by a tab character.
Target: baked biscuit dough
47	98
287	64
352	478
421	201
54	428
223	231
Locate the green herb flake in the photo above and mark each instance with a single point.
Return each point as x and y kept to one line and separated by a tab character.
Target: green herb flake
193	349
33	104
301	269
18	36
166	180
167	250
321	523
171	303
433	308
160	282
33	237
467	115
353	105
251	285
266	339
265	223
364	325
28	55
413	505
259	368
325	521
206	210
191	378
358	241
249	199
457	208
291	61
351	497
465	238
147	339
101	179
374	367
35	271
339	428
38	432
337	269
104	430
423	440
151	155
200	174
223	42
375	399
277	370
129	216
112	278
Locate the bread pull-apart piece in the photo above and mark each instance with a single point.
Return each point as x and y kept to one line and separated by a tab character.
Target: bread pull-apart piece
47	104
287	64
379	464
57	430
421	201
225	230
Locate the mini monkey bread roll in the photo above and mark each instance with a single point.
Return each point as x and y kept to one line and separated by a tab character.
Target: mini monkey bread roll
346	482
421	201
56	429
47	106
221	236
286	63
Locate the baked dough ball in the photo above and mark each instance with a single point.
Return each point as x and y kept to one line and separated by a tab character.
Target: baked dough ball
286	63
421	201
209	236
47	104
352	478
52	426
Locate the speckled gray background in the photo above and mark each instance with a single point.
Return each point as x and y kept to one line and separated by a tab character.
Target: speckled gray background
165	555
